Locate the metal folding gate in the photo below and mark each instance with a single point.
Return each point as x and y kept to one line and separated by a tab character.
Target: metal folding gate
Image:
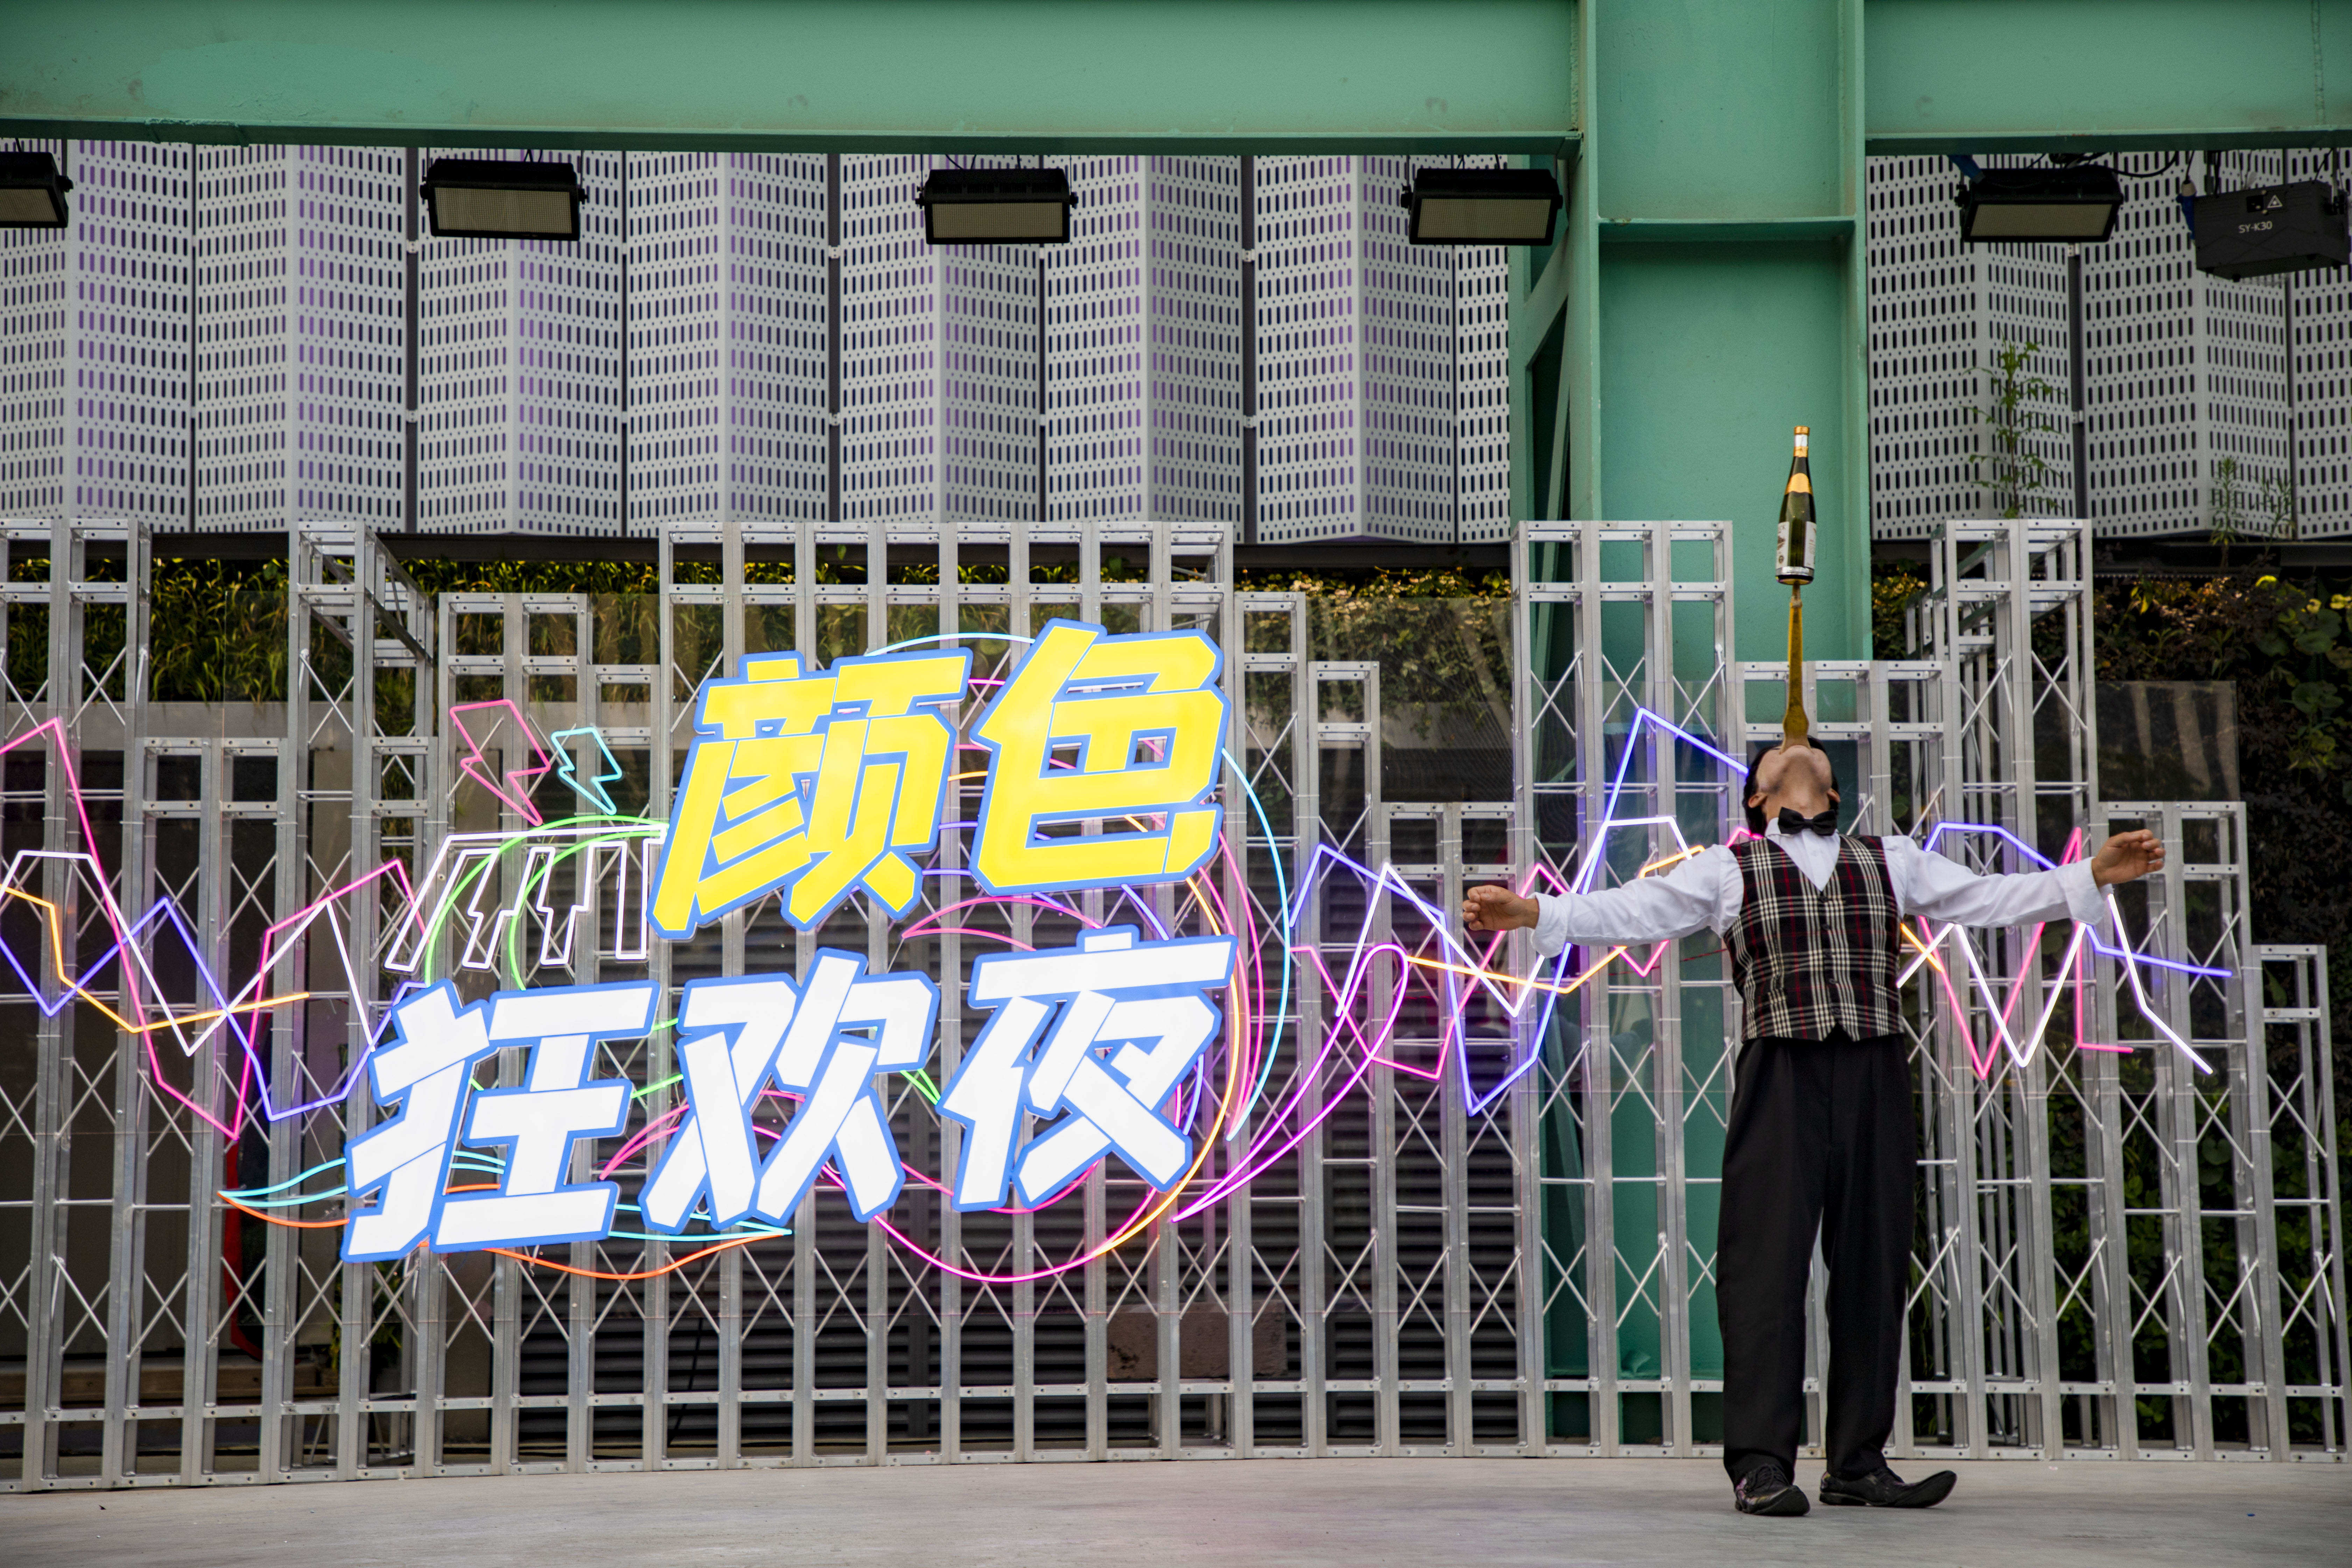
1480	1215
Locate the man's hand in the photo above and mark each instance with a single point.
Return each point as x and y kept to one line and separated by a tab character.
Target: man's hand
2126	856
1496	910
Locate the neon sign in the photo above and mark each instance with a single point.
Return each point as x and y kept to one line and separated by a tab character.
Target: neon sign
806	787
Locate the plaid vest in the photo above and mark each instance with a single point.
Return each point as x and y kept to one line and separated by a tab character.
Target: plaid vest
1809	961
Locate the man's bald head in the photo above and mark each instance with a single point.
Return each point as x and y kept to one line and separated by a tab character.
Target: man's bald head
1797	776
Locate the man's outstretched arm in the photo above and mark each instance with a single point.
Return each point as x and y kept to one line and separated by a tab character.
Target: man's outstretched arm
1688	897
1930	886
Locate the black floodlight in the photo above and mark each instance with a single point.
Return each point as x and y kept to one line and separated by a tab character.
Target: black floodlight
32	192
2072	204
486	198
2272	229
1481	206
997	206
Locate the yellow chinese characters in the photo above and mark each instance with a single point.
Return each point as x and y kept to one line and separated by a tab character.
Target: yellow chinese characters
814	784
1122	731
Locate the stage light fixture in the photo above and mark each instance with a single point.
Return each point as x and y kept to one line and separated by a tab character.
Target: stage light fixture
997	206
2269	229
2070	203
486	198
32	192
1481	206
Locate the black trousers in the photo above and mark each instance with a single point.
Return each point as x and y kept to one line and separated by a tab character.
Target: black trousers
1822	1139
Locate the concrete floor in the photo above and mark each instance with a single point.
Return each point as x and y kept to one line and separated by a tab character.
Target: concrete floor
1427	1512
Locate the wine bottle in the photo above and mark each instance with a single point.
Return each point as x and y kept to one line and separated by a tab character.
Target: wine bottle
1792	560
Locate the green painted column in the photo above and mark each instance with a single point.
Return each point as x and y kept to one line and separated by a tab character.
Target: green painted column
1720	299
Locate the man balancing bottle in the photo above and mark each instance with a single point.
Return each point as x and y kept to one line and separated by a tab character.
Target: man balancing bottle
1793	562
1820	1144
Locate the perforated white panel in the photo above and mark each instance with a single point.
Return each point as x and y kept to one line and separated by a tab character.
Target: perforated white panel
1941	314
1484	334
990	294
2193	427
1315	419
1143	348
303	281
892	425
678	323
474	326
94	346
2188	372
568	407
37	274
1192	325
2320	304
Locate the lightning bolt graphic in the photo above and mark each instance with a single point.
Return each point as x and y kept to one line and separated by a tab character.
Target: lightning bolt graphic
515	788
608	772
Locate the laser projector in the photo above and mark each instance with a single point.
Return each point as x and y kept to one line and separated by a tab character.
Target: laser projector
2271	228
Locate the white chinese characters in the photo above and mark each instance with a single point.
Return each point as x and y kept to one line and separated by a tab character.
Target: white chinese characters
823	1042
428	1072
1085	1054
1099	1035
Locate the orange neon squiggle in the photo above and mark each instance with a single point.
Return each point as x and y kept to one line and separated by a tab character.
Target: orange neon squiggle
671	1267
277	1219
674	1263
1669	860
1926	950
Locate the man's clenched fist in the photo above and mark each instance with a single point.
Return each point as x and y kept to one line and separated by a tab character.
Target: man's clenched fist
1496	910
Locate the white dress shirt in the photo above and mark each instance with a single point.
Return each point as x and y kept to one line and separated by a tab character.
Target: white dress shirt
1705	893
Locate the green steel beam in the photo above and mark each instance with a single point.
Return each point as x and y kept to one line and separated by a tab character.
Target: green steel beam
1124	74
1051	76
1975	76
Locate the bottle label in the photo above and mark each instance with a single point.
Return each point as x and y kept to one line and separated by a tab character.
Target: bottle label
1793	553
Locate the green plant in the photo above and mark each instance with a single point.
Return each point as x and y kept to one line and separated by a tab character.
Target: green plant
2229	508
2315	682
2285	646
1442	637
2277	506
2269	514
1893	586
2013	472
217	633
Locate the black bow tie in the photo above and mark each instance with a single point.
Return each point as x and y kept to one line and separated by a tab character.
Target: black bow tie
1824	825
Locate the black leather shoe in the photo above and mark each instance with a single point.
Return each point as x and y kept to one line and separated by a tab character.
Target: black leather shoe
1883	1488
1766	1491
